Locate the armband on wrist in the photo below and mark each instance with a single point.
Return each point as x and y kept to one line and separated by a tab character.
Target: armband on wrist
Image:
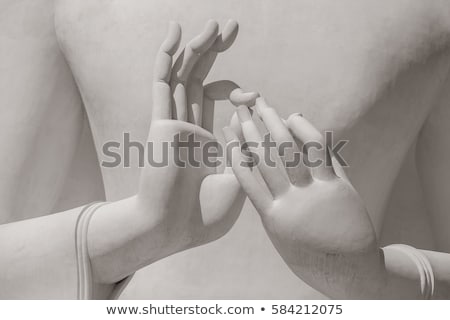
423	265
84	269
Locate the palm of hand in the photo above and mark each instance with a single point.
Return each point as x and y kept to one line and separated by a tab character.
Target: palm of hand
323	217
173	191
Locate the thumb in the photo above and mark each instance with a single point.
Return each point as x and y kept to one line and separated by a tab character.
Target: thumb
221	199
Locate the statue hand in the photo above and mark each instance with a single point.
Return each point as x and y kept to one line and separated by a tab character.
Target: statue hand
313	215
183	111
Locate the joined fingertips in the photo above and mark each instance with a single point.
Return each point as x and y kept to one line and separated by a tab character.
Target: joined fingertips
238	98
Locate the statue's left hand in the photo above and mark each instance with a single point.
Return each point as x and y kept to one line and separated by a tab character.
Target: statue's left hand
311	212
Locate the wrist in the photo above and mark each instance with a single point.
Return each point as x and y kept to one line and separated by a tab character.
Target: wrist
410	271
341	275
123	238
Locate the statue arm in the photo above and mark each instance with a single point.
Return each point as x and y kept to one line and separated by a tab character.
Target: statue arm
122	238
37	257
47	257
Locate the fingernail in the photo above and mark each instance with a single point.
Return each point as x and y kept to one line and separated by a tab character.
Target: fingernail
234	120
261	102
173	25
260	106
258	110
232	22
243	114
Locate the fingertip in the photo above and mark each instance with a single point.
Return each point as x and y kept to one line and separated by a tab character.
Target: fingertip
204	41
293	116
243	114
304	130
172	42
211	23
231	29
174	25
212	27
251	98
232	24
227	37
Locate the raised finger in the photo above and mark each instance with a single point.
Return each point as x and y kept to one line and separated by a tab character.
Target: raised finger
269	164
162	96
288	150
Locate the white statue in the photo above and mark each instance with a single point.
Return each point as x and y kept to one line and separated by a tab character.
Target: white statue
353	69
